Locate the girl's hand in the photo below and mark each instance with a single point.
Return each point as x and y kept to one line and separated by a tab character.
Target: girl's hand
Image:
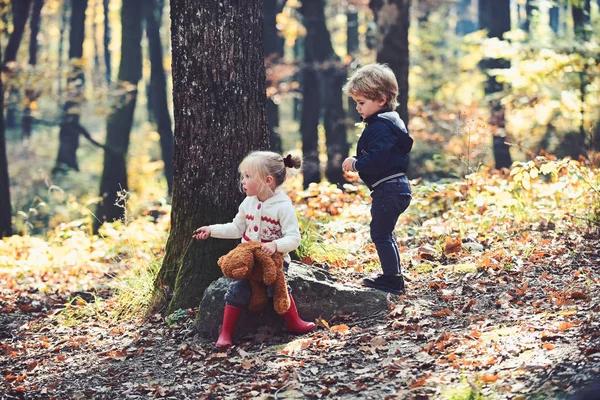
201	233
269	248
348	163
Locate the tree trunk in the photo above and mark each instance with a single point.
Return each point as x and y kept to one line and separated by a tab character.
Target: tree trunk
352	31
554	18
31	94
530	9
118	128
5	208
219	107
494	16
581	19
20	10
322	61
158	88
107	61
467	21
309	124
273	52
61	41
70	125
352	46
393	19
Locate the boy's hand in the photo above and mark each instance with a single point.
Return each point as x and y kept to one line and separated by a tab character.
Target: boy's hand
269	248
201	233
348	163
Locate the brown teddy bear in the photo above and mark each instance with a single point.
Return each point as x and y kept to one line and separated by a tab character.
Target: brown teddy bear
248	261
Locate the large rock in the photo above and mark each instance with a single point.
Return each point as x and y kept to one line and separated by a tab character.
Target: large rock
315	292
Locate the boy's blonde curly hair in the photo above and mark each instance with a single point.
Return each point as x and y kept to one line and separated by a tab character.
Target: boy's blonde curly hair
374	81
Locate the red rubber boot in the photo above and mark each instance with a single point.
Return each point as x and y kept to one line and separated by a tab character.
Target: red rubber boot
230	318
293	322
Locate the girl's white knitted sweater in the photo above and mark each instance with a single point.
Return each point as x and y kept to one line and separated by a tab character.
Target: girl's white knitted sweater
272	220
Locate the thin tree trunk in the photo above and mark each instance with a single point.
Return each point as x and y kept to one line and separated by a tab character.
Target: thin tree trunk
495	17
107	37
31	94
20	10
352	45
393	20
581	19
118	128
530	9
309	123
61	41
320	59
158	88
219	108
467	21
273	52
5	206
554	18
70	125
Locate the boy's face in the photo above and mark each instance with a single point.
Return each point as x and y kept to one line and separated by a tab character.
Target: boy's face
367	107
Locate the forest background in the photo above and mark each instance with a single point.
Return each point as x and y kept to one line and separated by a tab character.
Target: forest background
88	136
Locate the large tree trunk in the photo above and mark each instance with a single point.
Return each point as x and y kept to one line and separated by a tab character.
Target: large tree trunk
158	87
120	121
5	208
321	60
219	106
495	17
393	20
273	52
31	94
70	125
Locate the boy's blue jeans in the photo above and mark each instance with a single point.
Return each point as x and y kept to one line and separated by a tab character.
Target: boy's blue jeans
390	199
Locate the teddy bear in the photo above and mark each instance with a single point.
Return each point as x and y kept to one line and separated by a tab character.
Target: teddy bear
248	261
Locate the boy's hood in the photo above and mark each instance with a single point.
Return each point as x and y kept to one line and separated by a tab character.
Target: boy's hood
394	117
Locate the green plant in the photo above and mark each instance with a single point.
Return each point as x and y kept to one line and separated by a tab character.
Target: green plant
177	316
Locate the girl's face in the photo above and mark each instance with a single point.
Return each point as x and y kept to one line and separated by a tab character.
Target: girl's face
251	185
367	107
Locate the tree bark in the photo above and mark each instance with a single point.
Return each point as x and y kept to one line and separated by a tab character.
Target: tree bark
273	52
31	94
494	16
467	21
393	20
581	19
120	121
554	18
107	36
158	88
70	125
219	106
325	70
530	9
5	207
20	10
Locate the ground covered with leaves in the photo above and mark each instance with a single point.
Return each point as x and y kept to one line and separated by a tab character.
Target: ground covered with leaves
502	273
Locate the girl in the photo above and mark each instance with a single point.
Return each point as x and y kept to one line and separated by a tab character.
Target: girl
266	215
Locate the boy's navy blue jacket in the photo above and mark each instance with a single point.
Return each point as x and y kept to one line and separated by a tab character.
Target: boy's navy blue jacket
383	147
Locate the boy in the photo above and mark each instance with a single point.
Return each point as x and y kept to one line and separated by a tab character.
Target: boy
381	162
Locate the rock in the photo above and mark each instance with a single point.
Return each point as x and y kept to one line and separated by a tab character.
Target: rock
315	292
